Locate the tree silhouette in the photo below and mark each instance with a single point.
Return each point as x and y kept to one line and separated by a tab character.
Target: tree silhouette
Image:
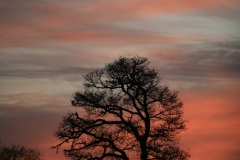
125	114
17	152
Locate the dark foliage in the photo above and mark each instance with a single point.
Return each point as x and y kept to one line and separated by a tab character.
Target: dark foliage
17	152
125	114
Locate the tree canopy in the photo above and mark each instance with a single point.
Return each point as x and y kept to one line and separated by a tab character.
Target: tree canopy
124	114
17	152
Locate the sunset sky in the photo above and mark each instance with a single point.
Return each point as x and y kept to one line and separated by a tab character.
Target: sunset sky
47	45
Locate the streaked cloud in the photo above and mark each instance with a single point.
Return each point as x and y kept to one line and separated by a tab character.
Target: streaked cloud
46	46
42	22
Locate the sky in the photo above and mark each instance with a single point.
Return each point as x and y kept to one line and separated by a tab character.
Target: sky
47	45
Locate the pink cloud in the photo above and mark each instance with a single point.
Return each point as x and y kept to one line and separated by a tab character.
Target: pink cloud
207	77
37	23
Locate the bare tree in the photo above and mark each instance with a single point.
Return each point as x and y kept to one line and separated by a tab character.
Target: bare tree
125	114
17	152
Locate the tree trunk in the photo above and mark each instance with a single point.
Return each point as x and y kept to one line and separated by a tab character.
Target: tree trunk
144	153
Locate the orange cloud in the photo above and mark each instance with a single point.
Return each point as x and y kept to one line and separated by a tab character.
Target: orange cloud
213	122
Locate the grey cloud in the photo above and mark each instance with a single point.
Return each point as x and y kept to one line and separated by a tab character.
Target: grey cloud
233	45
208	61
59	63
69	73
229	13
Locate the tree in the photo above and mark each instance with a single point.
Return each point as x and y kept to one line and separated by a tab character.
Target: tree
17	152
125	114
